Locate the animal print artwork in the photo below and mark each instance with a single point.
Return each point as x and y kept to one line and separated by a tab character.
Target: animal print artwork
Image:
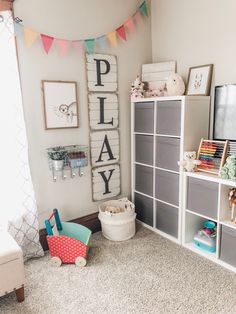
60	104
67	112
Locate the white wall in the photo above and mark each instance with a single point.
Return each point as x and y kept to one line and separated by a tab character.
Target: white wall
195	33
74	19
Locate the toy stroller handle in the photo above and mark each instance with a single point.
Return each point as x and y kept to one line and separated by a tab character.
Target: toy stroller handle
54	214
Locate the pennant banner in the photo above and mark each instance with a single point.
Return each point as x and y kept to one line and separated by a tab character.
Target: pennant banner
143	8
130	24
17	28
47	42
102	42
63	45
112	38
78	45
121	32
90	45
30	36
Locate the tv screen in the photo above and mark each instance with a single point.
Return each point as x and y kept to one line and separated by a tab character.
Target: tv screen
225	113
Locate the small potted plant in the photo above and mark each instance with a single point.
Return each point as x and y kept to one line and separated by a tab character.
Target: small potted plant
57	155
76	159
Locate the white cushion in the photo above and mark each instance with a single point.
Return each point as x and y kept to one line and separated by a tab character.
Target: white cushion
9	249
11	264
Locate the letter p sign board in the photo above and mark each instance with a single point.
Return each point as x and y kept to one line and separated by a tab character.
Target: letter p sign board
103	121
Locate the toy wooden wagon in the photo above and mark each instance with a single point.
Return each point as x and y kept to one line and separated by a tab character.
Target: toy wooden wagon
68	242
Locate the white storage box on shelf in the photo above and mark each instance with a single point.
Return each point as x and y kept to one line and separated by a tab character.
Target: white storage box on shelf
120	225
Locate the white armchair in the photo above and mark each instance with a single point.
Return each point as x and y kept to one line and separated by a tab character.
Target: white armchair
12	276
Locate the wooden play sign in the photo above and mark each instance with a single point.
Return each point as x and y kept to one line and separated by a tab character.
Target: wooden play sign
103	122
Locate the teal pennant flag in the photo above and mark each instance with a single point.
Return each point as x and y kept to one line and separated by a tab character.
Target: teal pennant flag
90	45
143	8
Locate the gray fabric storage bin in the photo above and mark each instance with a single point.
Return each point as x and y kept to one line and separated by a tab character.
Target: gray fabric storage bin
228	245
167	153
167	186
168	119
144	179
202	197
144	117
144	209
167	219
144	149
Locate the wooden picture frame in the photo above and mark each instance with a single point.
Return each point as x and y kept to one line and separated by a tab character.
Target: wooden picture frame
199	80
60	104
212	155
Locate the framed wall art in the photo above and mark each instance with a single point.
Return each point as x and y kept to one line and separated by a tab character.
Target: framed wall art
60	102
199	80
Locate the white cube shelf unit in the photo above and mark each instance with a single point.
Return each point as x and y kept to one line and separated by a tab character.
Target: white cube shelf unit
205	197
162	128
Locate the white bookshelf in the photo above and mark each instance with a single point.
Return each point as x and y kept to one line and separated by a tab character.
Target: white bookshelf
185	120
220	213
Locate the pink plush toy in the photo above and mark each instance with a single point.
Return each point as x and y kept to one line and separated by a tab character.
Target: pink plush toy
137	89
159	92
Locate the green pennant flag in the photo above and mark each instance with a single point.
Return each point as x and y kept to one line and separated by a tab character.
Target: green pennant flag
143	8
90	45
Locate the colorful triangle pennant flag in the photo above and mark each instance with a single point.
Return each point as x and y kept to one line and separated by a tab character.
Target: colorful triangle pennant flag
130	24
47	42
102	42
17	28
138	16
143	8
63	46
30	36
112	38
78	45
90	45
121	32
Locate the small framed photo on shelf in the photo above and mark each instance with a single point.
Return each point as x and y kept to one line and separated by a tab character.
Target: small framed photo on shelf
60	102
199	80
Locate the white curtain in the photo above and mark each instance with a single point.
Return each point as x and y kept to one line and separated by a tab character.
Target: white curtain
18	211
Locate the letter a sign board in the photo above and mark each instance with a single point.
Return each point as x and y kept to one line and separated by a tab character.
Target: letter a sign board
104	122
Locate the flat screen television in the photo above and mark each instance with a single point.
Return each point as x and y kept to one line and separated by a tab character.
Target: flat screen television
224	127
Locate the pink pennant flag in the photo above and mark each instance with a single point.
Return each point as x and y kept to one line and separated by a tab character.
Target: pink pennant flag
121	32
78	45
63	46
47	42
138	16
130	24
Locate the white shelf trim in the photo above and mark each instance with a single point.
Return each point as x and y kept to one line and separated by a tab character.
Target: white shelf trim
167	170
167	135
200	215
211	178
172	205
135	191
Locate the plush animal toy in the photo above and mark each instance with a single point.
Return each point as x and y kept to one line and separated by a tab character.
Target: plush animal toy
159	92
137	89
113	209
189	163
175	85
229	169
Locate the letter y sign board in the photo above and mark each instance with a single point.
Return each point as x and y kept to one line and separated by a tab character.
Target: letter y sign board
104	122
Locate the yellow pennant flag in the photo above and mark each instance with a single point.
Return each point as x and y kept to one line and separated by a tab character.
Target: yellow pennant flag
112	38
30	36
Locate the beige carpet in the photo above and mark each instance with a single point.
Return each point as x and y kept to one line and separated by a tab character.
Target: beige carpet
147	274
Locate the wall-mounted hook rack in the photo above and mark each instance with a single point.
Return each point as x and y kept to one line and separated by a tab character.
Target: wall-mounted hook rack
67	158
